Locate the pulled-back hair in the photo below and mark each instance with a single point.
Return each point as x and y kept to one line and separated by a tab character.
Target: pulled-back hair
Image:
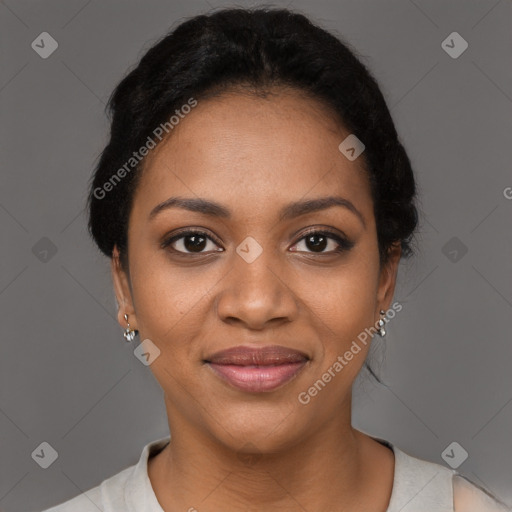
255	49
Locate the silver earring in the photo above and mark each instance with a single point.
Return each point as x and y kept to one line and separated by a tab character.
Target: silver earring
129	334
381	331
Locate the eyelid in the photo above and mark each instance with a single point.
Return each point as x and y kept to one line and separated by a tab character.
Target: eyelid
183	233
322	230
344	243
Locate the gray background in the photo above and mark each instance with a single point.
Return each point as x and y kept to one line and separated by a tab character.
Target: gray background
67	375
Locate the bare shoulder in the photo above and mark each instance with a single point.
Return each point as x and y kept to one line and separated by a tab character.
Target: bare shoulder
468	497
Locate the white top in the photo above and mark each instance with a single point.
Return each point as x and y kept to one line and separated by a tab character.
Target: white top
418	486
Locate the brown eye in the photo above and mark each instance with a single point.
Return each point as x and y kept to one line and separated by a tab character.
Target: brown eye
190	242
319	241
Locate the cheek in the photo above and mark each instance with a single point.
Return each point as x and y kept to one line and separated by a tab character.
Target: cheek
170	312
168	300
348	294
344	305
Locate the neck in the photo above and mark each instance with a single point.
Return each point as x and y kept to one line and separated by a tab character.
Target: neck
325	471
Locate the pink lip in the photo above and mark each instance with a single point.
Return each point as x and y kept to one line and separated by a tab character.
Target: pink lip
257	369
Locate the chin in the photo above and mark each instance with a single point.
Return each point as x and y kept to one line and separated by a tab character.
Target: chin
266	429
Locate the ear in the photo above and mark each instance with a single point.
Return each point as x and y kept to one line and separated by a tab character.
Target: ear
387	279
123	292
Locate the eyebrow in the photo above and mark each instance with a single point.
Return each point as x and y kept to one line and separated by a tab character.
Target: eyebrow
207	207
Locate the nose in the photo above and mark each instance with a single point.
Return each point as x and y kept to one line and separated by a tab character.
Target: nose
256	294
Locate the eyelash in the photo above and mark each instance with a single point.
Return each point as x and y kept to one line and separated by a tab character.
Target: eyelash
343	244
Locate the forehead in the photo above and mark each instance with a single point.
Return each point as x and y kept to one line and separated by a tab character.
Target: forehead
257	152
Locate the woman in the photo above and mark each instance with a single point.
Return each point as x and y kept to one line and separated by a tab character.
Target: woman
255	202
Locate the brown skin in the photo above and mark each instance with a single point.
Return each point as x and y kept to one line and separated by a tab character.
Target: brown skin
254	155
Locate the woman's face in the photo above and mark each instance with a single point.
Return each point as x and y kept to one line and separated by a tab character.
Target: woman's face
255	276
